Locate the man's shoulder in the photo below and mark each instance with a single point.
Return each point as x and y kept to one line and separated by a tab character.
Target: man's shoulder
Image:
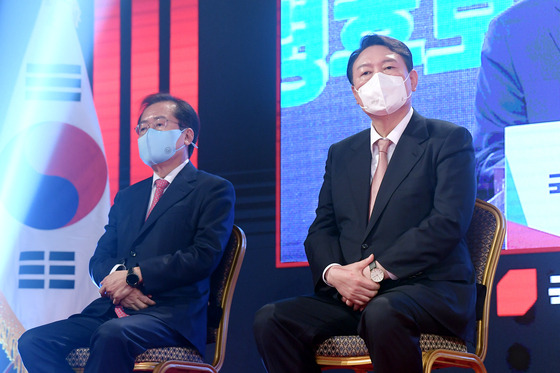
191	174
443	134
354	139
140	185
441	125
210	177
134	191
200	180
521	12
434	125
205	183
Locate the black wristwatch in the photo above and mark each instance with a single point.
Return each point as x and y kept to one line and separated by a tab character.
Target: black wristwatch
132	279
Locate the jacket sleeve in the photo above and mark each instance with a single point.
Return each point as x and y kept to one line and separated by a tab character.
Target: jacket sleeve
322	245
105	257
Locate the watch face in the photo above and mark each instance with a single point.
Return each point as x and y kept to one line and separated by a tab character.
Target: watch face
132	279
377	274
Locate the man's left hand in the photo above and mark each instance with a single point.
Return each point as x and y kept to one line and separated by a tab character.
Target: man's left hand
114	286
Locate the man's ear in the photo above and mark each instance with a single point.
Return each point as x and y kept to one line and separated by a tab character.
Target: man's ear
189	136
413	75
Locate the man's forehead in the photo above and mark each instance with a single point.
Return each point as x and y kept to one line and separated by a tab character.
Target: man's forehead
377	54
393	56
153	117
159	109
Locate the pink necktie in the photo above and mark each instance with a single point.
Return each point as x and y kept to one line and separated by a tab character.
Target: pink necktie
161	184
383	145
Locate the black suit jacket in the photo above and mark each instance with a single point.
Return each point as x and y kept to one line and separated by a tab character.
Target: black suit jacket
421	214
177	247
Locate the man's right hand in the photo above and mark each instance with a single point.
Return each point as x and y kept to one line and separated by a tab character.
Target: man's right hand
354	283
137	300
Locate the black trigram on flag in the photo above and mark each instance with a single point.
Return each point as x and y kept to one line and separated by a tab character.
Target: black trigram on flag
53	82
37	272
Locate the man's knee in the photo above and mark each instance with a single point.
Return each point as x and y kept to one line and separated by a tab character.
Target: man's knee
110	333
381	318
263	320
27	342
273	321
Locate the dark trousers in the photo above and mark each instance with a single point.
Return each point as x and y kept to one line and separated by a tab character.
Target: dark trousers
114	343
288	332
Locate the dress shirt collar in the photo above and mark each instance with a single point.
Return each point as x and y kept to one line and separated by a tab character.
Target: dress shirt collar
170	176
395	134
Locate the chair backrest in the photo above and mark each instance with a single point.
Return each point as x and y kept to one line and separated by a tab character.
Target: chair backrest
485	238
222	286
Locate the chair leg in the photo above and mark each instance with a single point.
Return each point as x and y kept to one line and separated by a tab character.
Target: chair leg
183	367
355	369
441	359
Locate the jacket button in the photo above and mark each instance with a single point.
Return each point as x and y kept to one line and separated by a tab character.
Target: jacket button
133	253
365	246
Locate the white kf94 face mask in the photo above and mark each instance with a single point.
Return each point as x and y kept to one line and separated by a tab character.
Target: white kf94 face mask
383	94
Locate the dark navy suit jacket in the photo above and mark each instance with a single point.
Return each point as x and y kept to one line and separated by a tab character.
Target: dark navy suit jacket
177	247
421	214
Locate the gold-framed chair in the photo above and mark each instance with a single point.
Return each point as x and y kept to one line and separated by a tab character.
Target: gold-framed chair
182	359
485	238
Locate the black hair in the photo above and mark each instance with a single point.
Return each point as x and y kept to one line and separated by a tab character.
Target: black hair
184	113
392	44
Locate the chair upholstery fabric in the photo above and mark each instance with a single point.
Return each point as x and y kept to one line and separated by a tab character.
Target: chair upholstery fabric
353	345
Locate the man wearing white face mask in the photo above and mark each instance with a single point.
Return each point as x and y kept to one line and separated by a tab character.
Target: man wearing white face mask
165	236
386	250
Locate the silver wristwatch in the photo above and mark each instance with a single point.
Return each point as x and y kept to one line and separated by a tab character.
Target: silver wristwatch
376	273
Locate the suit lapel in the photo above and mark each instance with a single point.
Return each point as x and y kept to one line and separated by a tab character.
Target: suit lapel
359	171
136	211
182	185
407	153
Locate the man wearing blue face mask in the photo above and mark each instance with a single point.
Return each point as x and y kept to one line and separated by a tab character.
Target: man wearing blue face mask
165	236
386	250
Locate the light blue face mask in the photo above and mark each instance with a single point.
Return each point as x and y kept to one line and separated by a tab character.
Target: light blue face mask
158	146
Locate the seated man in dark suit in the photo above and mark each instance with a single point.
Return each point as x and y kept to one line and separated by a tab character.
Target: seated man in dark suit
164	238
386	250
